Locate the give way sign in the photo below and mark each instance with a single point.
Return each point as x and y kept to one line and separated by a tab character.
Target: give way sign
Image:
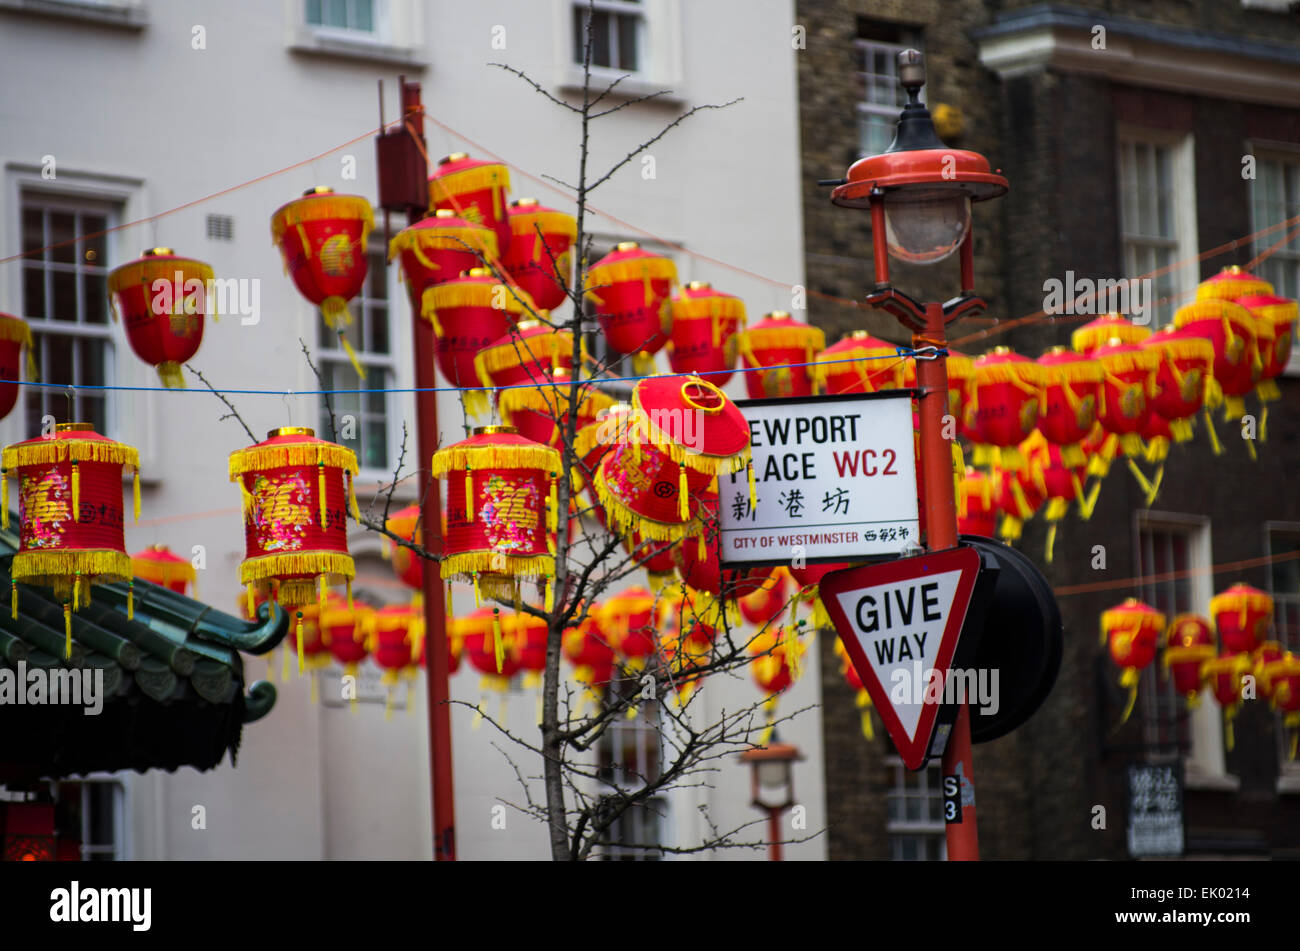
900	622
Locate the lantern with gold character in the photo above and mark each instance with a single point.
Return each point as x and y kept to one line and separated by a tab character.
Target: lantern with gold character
1189	643
162	299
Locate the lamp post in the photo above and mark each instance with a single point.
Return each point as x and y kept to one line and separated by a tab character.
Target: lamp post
772	786
919	193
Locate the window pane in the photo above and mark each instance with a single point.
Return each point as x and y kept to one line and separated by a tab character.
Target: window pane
92	361
65	296
62	231
600	51
92	250
336	13
364	19
33	229
94	296
627	34
33	292
313	11
56	367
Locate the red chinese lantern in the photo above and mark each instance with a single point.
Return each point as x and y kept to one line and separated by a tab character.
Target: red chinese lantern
1131	632
700	566
593	440
1242	615
157	564
1232	283
409	567
779	352
540	413
487	647
437	249
1181	377
684	433
297	490
776	666
539	254
686	645
323	238
474	190
704	327
1060	484
1189	643
808	578
630	288
1266	654
1067	408
501	511
1004	406
763	606
591	655
1126	391
15	336
1224	675
1019	495
1103	330
162	300
627	622
977	510
1231	330
528	636
861	698
1279	315
525	356
307	639
467	314
343	628
656	557
1283	675
70	515
393	634
858	363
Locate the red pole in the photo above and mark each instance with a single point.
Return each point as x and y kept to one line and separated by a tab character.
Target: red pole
435	608
774	834
941	526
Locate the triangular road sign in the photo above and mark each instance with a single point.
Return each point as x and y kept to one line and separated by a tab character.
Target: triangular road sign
899	621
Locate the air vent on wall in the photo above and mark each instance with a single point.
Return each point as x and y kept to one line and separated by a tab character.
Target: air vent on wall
221	227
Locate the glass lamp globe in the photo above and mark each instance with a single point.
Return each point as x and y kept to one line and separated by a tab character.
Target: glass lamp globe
925	225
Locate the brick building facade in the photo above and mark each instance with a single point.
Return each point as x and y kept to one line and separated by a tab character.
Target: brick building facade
1133	134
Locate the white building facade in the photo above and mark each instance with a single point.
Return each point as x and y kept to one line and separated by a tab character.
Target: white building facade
139	119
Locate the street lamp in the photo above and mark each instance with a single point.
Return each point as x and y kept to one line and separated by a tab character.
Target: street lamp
919	193
772	785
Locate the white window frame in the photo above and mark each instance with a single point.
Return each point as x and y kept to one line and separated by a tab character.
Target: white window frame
661	802
133	416
1286	154
1183	244
380	21
1205	766
659	51
399	25
1288	774
387	362
913	785
864	107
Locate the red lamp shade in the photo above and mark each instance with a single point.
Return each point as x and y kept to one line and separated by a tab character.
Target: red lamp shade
1189	643
1232	283
437	249
627	620
162	300
469	313
474	190
858	363
1126	392
1231	330
501	511
779	352
630	288
70	514
539	254
1243	615
1131	631
323	238
297	490
15	336
704	327
766	604
1067	408
1004	406
977	509
158	564
1097	333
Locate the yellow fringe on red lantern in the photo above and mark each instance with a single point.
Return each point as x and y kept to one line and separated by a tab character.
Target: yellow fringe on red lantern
1088	338
795	336
4	500
130	600
863	703
553	507
352	501
469	494
683	495
540	348
57	569
1026	376
476	178
322	207
475	294
443	237
624	520
50	451
169	372
499	641
632	269
76	492
489	456
1129	679
320	492
553	224
709	306
701	462
338	567
518	566
258	458
13	600
67	630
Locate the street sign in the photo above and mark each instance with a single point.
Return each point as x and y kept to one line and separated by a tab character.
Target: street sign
900	622
1155	810
835	478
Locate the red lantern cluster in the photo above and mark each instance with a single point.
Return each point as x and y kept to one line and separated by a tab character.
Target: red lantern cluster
704	327
539	254
778	354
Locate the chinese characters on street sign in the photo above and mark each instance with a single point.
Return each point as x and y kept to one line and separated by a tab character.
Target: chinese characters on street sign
1155	810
